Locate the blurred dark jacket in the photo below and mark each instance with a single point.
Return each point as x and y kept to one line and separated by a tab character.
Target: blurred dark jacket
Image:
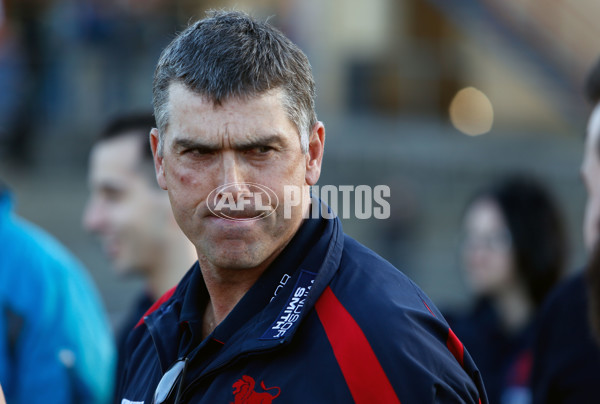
566	358
504	360
142	304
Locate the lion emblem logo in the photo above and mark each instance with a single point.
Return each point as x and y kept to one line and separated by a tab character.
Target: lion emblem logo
244	393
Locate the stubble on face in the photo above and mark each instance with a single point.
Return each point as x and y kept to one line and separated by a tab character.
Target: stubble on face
239	141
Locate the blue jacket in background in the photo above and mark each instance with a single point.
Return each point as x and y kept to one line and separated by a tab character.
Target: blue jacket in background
56	346
328	322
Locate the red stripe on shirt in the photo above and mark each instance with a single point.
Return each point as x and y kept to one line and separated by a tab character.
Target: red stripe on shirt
362	371
456	347
156	305
432	313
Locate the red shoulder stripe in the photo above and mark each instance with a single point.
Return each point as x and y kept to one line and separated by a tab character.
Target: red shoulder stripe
156	305
456	347
362	371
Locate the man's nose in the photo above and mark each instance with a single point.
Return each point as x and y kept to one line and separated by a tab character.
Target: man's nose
93	217
233	176
231	170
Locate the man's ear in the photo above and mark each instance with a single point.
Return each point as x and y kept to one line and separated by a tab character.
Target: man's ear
158	159
314	157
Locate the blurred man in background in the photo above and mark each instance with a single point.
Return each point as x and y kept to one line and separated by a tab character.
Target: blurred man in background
55	340
132	215
567	359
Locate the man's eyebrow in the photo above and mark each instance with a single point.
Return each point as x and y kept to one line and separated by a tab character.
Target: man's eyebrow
183	143
259	141
244	144
104	185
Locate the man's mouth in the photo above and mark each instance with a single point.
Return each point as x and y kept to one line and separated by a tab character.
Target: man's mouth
240	215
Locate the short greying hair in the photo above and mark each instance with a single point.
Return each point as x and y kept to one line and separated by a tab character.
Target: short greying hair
231	55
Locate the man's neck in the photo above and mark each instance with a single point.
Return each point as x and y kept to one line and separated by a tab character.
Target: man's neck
167	273
226	287
515	309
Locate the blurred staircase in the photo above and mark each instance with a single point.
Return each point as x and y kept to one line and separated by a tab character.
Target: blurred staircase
562	38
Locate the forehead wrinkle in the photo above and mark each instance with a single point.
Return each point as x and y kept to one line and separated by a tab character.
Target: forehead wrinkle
226	129
248	139
225	138
185	139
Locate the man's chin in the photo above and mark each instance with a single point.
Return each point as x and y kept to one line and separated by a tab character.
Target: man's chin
234	256
236	261
241	250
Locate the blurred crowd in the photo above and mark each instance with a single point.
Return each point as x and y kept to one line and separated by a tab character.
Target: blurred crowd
45	46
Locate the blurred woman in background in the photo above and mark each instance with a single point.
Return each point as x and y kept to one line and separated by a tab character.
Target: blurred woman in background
513	252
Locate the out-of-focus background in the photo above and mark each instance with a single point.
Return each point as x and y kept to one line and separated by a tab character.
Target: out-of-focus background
431	97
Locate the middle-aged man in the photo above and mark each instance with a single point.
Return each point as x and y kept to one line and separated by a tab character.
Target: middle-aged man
281	309
566	366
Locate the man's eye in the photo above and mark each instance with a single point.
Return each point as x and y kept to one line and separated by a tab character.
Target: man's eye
197	152
263	149
112	195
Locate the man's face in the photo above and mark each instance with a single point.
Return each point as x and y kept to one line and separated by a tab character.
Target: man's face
240	141
126	209
590	172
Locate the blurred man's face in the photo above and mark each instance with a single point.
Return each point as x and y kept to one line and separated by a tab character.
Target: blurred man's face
240	142
590	172
126	209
